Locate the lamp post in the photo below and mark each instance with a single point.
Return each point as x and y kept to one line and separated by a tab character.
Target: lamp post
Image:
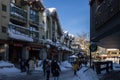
93	47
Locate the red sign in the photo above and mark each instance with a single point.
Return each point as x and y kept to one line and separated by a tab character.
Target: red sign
18	45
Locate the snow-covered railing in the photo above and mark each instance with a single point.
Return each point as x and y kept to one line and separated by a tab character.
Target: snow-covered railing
19	32
16	11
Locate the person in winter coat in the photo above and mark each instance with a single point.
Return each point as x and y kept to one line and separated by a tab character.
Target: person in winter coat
36	62
43	67
31	65
22	65
75	67
55	70
47	69
27	65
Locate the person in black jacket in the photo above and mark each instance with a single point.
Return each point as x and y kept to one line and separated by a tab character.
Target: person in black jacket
43	67
22	65
47	69
55	70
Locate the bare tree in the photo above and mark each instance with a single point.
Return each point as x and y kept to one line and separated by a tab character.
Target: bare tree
83	41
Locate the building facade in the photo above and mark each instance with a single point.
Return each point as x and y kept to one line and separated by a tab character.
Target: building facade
21	29
105	23
53	32
28	29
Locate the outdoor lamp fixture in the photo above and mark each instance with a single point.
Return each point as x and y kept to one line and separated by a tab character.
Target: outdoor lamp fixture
5	45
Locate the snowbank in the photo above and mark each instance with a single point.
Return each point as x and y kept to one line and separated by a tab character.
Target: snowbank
66	64
86	73
4	63
7	68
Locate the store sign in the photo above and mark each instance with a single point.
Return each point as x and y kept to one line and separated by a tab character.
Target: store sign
18	45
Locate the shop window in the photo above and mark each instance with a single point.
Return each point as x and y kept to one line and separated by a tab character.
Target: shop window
4	7
114	52
4	29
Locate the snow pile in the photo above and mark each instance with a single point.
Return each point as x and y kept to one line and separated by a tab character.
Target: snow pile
86	73
7	68
66	64
20	37
51	10
3	64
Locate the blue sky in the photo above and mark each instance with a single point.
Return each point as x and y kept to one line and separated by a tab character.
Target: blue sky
73	14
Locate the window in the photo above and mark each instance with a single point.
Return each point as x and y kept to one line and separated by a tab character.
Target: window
4	29
43	37
34	15
4	8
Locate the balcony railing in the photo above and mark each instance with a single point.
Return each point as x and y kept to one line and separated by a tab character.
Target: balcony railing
19	32
105	11
18	12
23	33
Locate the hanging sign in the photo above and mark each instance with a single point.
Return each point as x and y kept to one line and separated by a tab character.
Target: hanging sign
93	47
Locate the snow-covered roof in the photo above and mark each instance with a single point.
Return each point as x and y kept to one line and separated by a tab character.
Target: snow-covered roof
51	11
74	56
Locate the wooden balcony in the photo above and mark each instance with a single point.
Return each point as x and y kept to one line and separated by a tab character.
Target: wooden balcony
18	14
19	30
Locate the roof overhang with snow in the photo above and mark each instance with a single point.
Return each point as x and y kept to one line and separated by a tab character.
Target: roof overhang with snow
53	13
35	4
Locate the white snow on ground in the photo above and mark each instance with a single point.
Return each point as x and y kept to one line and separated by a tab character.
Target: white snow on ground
5	63
66	64
7	68
85	73
63	66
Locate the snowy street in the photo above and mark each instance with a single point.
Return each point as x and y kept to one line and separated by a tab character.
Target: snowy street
65	75
85	73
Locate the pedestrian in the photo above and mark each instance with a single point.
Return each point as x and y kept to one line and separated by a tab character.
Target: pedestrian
22	65
47	69
75	67
55	70
27	65
36	62
31	66
43	67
